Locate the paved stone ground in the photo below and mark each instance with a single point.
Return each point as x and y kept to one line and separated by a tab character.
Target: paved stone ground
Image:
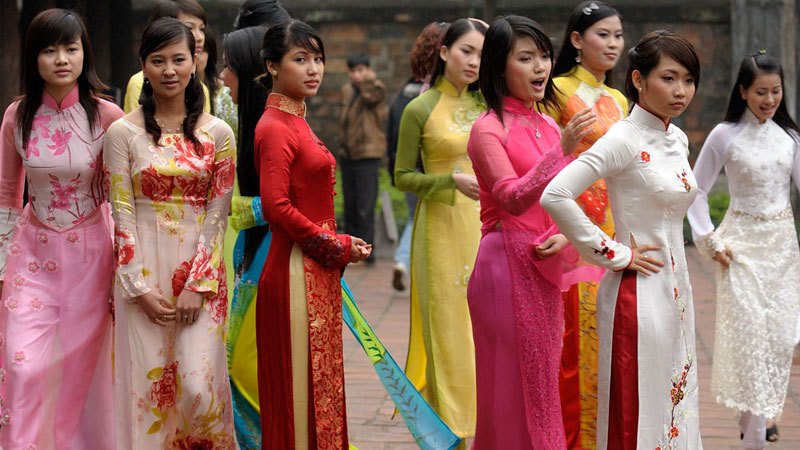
369	408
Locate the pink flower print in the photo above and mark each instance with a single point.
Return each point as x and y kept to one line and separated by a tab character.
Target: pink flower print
22	222
72	237
31	447
2	379
42	238
50	265
2	345
14	249
11	304
31	149
18	280
59	140
34	267
19	357
36	304
63	196
40	124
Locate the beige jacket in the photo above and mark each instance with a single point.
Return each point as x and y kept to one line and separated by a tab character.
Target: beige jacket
363	118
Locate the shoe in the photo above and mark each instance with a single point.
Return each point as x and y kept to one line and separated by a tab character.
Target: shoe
772	433
398	277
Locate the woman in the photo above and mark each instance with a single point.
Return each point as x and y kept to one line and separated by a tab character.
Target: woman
757	300
243	65
592	45
172	170
191	14
299	314
435	128
645	301
56	252
515	299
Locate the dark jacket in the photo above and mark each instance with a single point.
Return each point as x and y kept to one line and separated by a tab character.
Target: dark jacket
362	120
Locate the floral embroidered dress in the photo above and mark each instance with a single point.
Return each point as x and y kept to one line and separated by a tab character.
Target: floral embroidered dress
299	312
170	204
757	299
647	372
435	128
56	260
577	90
515	299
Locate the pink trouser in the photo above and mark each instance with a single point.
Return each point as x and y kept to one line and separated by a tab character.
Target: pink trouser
55	336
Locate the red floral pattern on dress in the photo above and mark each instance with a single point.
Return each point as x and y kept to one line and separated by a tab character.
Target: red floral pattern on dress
155	186
683	177
124	246
34	267
180	276
325	248
166	387
224	173
644	156
50	265
201	266
605	251
193	191
218	306
193	443
63	195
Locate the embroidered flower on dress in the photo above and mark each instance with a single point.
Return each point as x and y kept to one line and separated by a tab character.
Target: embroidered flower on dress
2	380
36	304
34	267
2	341
22	222
13	249
605	251
682	176
50	265
42	238
19	357
645	157
18	280
11	304
72	237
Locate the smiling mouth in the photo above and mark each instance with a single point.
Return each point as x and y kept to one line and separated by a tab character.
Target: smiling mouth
538	84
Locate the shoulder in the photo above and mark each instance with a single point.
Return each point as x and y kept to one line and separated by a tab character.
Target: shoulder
487	121
109	112
10	115
422	106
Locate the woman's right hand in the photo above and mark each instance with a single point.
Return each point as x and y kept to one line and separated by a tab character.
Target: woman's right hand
576	129
466	184
359	249
642	263
724	257
156	307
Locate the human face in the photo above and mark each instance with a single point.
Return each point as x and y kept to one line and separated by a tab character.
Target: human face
169	69
299	73
231	80
198	29
667	90
357	74
463	59
600	46
764	95
527	71
60	66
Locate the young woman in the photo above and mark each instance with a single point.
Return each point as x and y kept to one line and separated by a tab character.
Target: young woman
592	45
243	65
172	170
56	253
435	128
191	14
757	299
647	382
299	315
515	299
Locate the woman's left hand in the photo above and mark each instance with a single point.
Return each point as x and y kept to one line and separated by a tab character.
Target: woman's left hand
189	306
551	246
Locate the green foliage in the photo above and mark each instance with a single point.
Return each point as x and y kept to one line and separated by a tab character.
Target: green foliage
717	205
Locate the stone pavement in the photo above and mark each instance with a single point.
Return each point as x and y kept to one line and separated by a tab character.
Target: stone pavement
369	408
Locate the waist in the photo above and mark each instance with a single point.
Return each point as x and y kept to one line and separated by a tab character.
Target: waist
96	216
785	213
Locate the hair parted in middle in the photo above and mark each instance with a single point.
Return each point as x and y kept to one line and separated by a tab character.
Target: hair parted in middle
280	38
456	29
159	34
499	43
582	17
646	55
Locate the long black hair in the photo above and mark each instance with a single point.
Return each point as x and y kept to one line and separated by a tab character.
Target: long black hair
210	73
583	16
260	12
499	43
157	35
457	29
280	38
242	50
171	8
751	67
648	52
56	27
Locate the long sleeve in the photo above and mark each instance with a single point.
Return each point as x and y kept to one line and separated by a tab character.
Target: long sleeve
489	155
12	179
407	177
277	154
706	170
606	158
132	92
796	164
117	159
246	212
204	276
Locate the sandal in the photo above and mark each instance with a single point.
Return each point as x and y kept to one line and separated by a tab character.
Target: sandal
772	433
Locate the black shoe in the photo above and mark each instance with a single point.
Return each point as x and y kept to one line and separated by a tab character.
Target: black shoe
772	433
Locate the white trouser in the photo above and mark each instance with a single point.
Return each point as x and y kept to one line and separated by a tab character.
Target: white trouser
754	429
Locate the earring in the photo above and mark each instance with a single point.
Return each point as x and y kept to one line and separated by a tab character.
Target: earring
146	81
578	58
192	76
640	89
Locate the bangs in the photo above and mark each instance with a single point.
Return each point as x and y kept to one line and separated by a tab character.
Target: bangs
539	38
308	41
58	30
682	51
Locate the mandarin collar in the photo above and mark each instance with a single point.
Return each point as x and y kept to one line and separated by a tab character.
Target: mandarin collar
286	104
517	106
70	99
646	118
444	86
750	118
585	76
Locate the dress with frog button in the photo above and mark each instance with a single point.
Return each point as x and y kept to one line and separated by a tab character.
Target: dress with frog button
647	373
757	299
56	257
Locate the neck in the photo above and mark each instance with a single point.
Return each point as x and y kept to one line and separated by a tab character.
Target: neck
459	86
59	92
171	107
598	75
664	119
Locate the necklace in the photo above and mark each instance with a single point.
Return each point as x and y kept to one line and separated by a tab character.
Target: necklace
537	134
177	130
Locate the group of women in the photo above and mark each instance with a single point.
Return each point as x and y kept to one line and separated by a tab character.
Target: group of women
530	177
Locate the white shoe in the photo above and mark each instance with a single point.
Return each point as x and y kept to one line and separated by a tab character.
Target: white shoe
398	277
